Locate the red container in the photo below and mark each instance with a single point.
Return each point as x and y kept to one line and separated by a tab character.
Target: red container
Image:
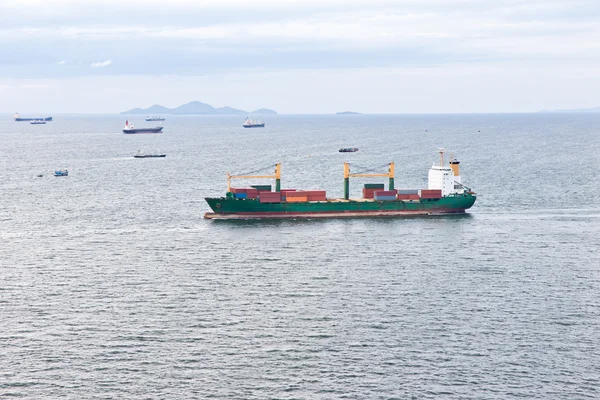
295	194
431	192
238	190
270	197
369	193
408	196
386	192
287	190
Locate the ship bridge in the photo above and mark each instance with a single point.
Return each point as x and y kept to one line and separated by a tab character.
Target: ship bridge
445	177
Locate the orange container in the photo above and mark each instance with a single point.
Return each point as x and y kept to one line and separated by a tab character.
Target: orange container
296	199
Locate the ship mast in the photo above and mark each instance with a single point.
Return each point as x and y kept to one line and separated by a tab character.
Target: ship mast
441	151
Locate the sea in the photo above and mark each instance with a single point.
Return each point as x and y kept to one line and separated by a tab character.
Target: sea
114	286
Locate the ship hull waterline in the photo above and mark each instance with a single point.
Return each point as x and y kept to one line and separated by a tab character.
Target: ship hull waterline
142	130
225	208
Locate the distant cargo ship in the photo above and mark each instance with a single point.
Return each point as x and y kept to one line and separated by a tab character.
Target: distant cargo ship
251	123
445	195
149	118
130	129
18	118
144	155
348	150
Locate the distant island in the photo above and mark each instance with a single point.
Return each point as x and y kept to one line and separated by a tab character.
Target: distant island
347	113
574	110
196	108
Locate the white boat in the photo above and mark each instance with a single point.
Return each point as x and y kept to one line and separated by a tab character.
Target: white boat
253	123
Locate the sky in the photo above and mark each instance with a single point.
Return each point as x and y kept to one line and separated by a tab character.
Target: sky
305	56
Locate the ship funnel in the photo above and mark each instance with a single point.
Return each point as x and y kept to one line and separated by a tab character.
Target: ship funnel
454	164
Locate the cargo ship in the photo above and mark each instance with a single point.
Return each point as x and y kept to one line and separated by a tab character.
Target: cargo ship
154	118
18	118
445	195
144	155
130	129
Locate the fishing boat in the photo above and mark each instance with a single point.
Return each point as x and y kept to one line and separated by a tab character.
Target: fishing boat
129	128
154	118
144	155
37	122
18	118
253	123
61	172
348	150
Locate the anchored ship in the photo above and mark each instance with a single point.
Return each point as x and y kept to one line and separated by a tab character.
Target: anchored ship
445	195
253	123
145	155
18	118
130	129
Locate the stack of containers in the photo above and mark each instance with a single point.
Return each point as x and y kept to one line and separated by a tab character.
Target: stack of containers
239	193
385	195
408	194
316	195
370	188
270	197
296	197
284	191
251	193
430	193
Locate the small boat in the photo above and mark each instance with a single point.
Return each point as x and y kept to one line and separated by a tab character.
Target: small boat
153	118
40	175
18	118
61	172
251	123
130	129
37	122
349	150
144	155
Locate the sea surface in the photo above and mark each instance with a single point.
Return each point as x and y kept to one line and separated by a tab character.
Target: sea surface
113	286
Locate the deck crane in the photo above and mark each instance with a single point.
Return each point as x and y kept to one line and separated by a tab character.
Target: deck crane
347	176
276	176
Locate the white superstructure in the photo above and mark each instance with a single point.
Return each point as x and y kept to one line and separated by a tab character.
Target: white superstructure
445	178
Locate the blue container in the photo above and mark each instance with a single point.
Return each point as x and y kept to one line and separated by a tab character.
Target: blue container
385	198
240	195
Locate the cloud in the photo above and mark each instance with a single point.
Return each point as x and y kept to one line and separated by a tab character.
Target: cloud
101	64
63	62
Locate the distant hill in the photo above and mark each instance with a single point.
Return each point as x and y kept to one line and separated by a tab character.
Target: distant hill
574	110
195	108
347	113
264	111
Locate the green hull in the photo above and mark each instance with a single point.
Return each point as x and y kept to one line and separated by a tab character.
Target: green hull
229	208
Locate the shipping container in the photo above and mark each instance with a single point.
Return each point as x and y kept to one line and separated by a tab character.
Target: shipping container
385	193
238	190
270	200
408	191
385	198
296	199
240	195
295	194
435	192
261	188
408	196
374	186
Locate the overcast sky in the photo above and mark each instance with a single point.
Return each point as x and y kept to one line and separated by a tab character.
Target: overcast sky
305	56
